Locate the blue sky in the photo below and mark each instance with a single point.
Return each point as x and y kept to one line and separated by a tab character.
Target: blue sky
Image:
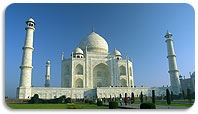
134	29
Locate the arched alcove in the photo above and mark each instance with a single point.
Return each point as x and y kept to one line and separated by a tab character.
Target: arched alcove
123	83
101	76
78	83
122	70
99	84
79	69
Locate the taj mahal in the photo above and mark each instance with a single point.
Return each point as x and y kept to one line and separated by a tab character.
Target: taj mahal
92	71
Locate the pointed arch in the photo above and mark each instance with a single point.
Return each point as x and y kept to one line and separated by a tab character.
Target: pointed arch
101	75
123	82
79	83
99	84
79	69
122	70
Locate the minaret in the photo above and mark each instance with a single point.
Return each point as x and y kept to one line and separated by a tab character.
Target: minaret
26	66
47	76
132	84
62	56
173	71
86	68
127	64
92	28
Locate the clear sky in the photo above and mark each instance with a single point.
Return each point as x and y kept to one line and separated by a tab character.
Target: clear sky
134	29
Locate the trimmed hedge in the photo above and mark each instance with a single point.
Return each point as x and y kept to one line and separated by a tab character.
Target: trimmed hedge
91	102
99	103
113	105
35	100
86	101
68	100
147	106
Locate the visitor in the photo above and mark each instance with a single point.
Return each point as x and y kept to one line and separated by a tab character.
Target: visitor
128	99
120	101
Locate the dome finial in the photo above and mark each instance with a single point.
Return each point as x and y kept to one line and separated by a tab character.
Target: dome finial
168	35
92	28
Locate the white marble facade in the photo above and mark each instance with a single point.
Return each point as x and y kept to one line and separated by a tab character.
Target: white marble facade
91	66
99	92
92	71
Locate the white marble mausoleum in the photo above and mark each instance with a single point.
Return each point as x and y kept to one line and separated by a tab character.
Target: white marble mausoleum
92	71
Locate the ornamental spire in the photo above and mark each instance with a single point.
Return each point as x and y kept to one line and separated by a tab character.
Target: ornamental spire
92	28
168	35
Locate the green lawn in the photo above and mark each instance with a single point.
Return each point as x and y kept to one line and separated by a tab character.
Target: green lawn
165	104
56	106
184	105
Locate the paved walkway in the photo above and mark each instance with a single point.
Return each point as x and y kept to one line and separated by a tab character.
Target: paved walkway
137	106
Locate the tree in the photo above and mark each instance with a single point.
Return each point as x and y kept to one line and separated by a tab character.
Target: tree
189	95
141	97
132	98
153	96
110	98
168	97
34	100
125	98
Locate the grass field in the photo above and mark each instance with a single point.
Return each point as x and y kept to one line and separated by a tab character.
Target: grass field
184	105
56	106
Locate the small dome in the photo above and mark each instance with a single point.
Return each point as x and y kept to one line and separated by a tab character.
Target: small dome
94	43
78	51
116	52
30	20
48	62
168	35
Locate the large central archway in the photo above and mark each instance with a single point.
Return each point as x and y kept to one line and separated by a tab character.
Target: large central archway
101	76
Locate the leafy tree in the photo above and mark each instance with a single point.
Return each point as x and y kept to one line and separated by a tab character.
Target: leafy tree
153	96
132	98
34	100
99	103
141	97
125	98
168	97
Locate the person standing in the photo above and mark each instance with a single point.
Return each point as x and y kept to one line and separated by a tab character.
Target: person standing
127	100
120	101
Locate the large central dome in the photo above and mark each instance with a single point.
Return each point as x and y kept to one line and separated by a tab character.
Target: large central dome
94	43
